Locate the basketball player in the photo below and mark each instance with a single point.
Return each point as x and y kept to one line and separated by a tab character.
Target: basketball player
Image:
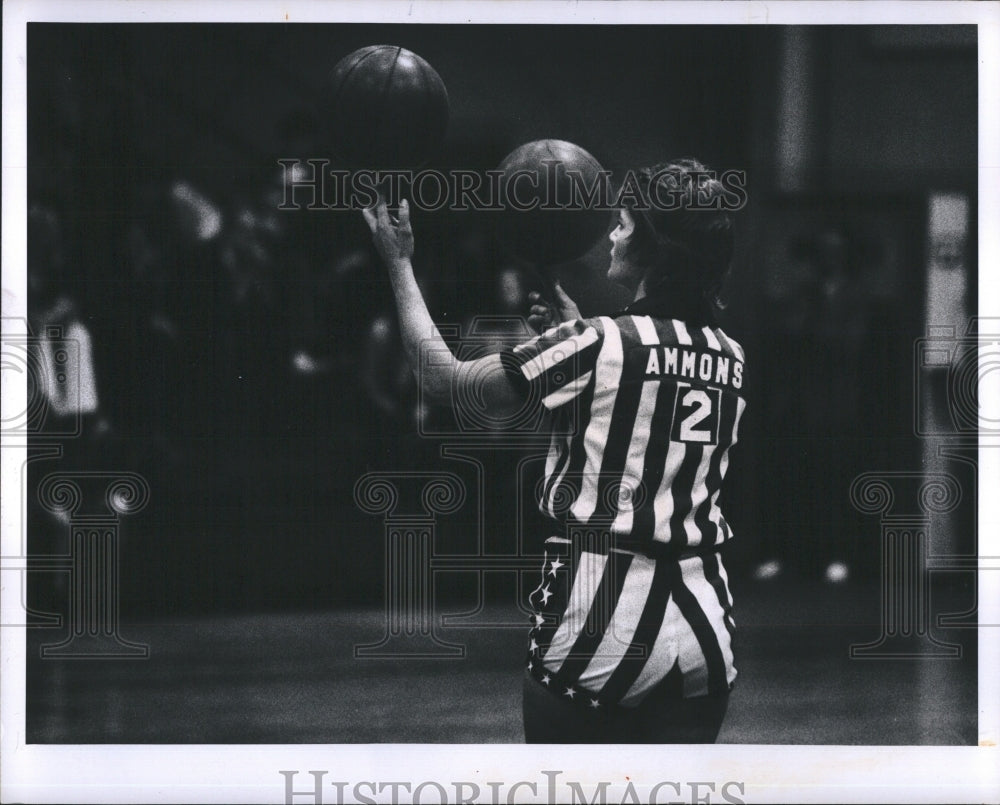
632	633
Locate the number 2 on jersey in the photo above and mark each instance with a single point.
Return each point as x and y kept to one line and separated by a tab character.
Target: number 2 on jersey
696	415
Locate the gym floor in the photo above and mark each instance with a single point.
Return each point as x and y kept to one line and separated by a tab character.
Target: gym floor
293	678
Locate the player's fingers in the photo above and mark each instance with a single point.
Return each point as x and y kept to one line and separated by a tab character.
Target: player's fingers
539	310
370	218
567	307
534	296
561	295
404	213
382	212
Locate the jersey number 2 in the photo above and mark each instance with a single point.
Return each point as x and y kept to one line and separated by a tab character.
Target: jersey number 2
696	415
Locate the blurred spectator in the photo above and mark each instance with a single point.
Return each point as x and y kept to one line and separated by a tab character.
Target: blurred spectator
817	384
65	392
66	378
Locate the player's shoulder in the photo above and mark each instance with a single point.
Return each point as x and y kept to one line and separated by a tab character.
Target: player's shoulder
588	330
667	331
730	345
573	328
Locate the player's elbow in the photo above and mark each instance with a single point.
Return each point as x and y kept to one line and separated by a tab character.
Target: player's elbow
481	383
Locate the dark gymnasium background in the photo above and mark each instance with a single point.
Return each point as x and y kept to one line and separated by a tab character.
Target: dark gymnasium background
244	358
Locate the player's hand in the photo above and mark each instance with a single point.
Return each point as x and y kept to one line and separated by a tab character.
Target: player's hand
393	237
544	314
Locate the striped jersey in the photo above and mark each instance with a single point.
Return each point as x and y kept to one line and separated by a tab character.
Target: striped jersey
644	410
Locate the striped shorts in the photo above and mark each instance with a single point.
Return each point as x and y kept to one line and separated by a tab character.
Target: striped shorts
610	627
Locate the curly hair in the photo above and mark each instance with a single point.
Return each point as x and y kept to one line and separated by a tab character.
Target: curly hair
683	238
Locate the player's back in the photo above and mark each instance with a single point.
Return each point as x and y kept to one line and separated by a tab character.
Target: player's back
680	396
644	411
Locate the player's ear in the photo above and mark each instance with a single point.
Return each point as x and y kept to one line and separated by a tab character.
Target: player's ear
627	224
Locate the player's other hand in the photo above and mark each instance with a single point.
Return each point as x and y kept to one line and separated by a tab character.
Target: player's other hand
393	237
544	314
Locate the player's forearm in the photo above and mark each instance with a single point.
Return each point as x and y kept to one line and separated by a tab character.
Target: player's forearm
419	332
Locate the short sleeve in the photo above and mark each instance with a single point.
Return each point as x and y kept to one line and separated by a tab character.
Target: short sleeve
557	365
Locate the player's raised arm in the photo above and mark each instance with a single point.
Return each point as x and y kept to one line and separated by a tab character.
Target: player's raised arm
445	375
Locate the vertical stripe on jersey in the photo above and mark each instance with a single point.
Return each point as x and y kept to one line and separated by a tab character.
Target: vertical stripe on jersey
647	635
716	513
714	572
702	515
713	342
683	337
663	458
634	472
696	580
680	492
730	345
556	440
708	640
729	596
725	581
607	376
615	646
690	660
588	573
627	418
646	329
699	498
571	461
599	618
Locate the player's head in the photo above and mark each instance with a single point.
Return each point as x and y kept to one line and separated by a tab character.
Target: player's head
673	235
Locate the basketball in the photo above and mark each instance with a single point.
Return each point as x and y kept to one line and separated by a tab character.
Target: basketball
389	109
560	226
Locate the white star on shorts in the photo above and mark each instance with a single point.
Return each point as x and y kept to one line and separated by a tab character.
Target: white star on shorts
556	564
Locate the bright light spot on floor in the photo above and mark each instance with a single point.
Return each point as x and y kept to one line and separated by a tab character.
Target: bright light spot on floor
767	570
304	363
